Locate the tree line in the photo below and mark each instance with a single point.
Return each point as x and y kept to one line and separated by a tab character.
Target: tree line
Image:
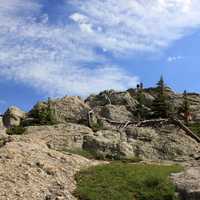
163	104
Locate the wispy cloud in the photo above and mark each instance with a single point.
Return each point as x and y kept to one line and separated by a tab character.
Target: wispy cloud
2	102
138	25
174	58
62	58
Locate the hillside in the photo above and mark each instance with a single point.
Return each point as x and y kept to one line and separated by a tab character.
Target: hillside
38	154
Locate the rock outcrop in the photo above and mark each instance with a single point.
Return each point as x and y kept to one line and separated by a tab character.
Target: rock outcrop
116	113
13	117
166	143
67	109
187	182
37	165
31	170
59	137
112	97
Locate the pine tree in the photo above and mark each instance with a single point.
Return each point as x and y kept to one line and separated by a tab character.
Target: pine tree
140	106
185	108
160	106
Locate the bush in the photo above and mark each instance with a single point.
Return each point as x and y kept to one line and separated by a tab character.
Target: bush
98	126
43	116
126	182
195	127
16	130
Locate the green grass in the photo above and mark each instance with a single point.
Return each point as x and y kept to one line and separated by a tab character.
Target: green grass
81	152
122	181
195	127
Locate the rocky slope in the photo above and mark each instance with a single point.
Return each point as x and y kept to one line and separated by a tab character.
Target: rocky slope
31	170
35	165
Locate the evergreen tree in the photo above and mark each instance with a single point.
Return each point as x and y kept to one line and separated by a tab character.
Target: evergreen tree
161	105
185	107
140	111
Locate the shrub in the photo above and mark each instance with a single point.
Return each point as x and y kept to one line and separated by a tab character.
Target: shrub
97	126
43	115
195	127
126	182
16	130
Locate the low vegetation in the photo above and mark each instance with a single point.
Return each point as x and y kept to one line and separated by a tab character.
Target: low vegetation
195	127
44	115
16	130
81	152
97	156
126	181
97	126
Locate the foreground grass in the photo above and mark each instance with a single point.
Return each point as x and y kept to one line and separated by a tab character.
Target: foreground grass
125	181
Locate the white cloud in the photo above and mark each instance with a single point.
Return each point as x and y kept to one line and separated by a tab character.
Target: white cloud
54	59
174	58
139	25
77	17
62	59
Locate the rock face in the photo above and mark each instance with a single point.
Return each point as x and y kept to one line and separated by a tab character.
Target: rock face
59	137
13	117
116	113
67	109
112	97
71	109
36	165
167	143
187	183
32	171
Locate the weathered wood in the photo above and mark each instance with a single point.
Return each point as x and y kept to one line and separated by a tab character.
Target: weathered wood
138	124
187	130
152	122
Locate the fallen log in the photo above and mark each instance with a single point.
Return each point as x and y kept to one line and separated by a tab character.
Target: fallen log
187	130
153	122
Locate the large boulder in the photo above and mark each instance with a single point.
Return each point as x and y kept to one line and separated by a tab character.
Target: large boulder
147	97
112	97
13	117
107	144
67	109
116	113
187	183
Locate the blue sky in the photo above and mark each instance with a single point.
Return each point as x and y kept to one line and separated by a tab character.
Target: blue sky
75	47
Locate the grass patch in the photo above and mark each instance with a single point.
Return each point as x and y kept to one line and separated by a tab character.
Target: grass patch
16	130
195	127
97	156
81	152
122	181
